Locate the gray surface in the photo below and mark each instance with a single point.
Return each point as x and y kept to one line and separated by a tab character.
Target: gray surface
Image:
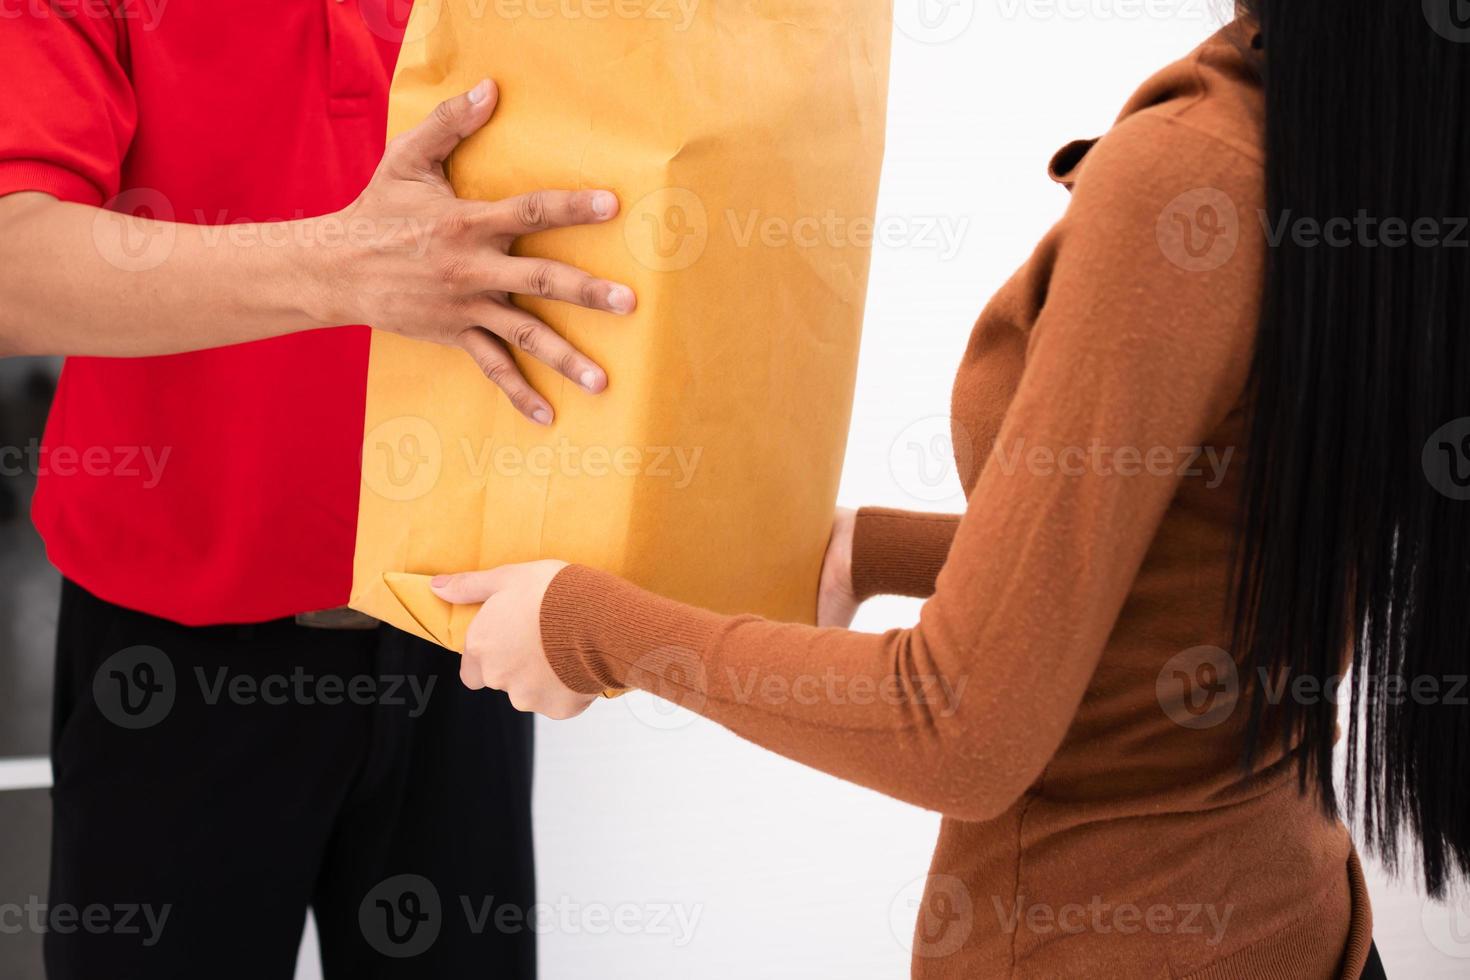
24	821
28	584
28	595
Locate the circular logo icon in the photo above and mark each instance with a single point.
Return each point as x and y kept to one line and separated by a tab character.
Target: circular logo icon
932	916
1199	687
135	688
402	458
933	21
141	245
1449	19
1447	459
1199	230
678	675
401	917
401	21
931	459
1447	926
668	230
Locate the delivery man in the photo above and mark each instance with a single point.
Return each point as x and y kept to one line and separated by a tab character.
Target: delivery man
208	181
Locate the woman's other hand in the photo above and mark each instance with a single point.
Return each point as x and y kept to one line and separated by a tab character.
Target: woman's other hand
836	603
503	650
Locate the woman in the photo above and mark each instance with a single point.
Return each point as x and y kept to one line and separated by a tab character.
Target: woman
1209	433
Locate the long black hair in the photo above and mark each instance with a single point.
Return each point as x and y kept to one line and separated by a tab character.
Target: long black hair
1355	528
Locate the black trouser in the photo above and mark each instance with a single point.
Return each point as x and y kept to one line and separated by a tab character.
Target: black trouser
211	783
1373	969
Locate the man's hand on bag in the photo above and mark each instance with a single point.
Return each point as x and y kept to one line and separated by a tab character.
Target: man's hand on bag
422	263
836	603
503	649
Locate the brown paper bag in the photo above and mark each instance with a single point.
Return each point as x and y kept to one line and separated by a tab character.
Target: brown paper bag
744	138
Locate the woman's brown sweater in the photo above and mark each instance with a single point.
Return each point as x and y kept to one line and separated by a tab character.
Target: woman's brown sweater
1064	700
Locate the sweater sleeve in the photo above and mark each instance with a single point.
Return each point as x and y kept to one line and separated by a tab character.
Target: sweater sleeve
1138	354
899	552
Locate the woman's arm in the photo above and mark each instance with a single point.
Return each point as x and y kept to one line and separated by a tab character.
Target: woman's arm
876	551
1134	361
407	256
899	552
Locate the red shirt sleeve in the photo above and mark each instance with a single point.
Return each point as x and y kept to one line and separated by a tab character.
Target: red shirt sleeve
69	117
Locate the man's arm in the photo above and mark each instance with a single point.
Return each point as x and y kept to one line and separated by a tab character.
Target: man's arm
407	256
74	282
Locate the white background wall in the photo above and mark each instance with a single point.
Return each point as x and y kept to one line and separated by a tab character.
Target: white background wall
790	873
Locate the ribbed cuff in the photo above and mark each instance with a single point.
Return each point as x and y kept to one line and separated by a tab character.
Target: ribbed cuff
17	176
897	552
601	633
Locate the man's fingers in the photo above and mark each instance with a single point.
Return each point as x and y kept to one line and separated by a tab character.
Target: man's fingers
497	365
543	210
526	333
430	143
469	588
564	283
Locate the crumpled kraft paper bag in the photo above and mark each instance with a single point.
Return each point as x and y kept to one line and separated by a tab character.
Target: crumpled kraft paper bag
745	140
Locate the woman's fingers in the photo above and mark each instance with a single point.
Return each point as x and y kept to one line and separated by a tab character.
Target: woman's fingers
496	363
565	709
468	588
525	333
470	673
544	210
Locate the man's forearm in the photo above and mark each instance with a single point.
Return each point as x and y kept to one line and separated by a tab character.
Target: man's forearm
407	256
81	280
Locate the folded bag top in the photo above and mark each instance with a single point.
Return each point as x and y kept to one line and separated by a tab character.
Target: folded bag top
745	140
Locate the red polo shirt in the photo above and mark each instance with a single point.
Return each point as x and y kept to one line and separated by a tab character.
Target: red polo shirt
216	487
